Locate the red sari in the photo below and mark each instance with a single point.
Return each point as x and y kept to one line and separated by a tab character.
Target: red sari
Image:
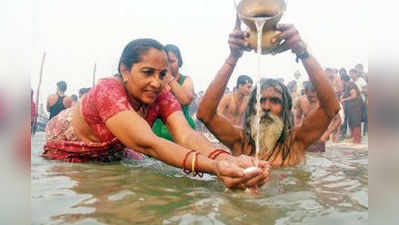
103	101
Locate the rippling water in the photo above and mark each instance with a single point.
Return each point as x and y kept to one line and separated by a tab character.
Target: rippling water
330	188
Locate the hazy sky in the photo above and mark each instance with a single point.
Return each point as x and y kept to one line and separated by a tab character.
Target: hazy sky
76	34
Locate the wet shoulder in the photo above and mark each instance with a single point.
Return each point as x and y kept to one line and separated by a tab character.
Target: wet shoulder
107	86
67	101
107	98
52	99
109	82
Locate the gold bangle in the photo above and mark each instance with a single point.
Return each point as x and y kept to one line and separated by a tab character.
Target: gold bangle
193	163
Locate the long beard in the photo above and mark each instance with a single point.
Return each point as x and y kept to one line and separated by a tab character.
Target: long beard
270	129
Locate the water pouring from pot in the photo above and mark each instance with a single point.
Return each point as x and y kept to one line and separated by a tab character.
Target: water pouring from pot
261	15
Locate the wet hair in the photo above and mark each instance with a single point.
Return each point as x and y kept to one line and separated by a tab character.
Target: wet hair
308	86
133	51
83	91
176	51
342	71
62	86
243	80
74	98
359	65
282	145
353	70
345	77
291	85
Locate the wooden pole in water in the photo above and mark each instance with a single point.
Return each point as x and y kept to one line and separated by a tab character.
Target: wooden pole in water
38	93
94	74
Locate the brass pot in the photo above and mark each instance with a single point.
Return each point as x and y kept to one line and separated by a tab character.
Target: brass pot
248	10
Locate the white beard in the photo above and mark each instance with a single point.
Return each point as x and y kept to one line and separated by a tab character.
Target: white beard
270	131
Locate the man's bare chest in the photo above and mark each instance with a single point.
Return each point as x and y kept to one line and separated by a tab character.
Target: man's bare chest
235	108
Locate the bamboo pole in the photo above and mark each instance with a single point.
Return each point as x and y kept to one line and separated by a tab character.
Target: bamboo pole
38	93
94	75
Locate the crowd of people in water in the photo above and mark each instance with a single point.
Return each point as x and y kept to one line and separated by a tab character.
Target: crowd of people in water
149	108
353	113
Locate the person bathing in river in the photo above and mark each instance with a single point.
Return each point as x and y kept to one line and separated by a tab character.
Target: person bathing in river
59	101
233	105
118	112
304	107
279	141
180	86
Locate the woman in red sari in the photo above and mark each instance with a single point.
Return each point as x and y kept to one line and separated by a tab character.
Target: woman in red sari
119	111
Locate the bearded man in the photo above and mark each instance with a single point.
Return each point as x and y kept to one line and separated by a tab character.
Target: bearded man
279	141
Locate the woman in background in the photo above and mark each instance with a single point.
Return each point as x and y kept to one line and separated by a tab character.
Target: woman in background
180	86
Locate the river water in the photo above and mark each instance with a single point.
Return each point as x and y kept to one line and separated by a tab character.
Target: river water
329	188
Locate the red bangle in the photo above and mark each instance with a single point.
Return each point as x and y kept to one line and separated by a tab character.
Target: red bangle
200	174
187	171
216	153
220	152
212	154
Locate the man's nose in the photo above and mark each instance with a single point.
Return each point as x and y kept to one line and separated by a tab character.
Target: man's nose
266	105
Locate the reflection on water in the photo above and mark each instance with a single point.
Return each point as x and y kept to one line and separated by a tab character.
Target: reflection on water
331	188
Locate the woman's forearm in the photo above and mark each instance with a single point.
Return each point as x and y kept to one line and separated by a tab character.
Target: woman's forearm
135	133
174	155
196	141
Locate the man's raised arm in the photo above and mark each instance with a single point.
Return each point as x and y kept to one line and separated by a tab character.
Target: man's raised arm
317	122
220	127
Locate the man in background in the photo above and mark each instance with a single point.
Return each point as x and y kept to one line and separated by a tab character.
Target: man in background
233	105
83	91
58	101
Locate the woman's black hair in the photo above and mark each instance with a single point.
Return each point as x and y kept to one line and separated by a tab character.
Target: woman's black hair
345	78
291	85
83	91
308	86
62	86
343	71
132	52
74	97
176	51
